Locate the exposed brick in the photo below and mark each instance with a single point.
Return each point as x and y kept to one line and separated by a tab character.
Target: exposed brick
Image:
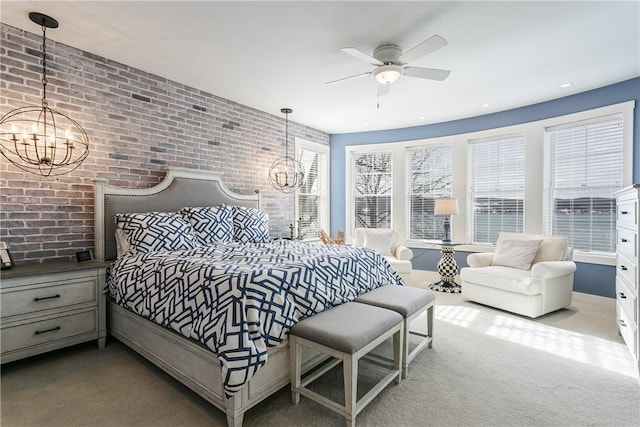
137	123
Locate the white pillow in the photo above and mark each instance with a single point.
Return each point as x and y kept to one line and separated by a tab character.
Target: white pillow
122	243
516	253
378	240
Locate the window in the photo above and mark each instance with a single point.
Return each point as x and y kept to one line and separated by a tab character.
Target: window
496	196
372	189
551	176
312	201
430	178
584	169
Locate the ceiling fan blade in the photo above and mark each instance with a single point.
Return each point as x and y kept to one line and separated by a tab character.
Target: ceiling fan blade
427	73
383	89
361	55
431	44
350	77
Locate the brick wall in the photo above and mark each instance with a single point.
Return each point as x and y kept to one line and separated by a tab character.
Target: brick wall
138	123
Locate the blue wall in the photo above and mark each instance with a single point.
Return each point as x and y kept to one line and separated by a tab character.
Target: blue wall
590	278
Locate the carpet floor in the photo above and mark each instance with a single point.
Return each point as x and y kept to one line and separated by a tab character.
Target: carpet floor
487	368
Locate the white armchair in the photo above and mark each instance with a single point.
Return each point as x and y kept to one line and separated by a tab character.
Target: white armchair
387	241
528	274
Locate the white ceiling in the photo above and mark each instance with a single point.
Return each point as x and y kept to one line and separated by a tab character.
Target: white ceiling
270	55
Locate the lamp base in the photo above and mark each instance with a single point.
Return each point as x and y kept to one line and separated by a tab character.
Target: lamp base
443	286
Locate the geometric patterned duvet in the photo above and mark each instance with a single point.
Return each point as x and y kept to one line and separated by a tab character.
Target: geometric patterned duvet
239	299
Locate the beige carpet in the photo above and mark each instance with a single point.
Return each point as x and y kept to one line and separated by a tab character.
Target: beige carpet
487	368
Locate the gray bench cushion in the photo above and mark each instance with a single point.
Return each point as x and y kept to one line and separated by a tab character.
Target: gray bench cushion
401	299
347	327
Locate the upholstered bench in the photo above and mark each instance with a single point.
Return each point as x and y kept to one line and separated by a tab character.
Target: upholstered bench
410	303
346	332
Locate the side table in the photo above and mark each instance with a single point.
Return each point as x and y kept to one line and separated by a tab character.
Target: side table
52	305
447	268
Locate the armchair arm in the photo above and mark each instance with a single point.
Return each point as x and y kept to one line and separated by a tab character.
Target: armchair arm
550	269
403	253
480	259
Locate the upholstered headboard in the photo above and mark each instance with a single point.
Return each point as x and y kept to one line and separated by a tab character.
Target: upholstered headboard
179	188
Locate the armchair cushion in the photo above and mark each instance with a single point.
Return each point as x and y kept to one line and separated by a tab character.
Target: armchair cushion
552	248
378	239
516	253
505	278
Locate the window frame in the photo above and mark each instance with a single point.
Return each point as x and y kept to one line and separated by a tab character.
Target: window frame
550	173
471	142
323	177
409	178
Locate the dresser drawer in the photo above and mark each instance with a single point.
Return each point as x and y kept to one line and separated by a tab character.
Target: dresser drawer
23	300
47	330
627	212
628	331
628	242
628	271
627	300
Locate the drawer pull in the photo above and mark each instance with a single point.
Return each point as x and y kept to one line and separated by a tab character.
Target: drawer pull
622	295
57	328
36	299
622	323
623	268
623	212
623	240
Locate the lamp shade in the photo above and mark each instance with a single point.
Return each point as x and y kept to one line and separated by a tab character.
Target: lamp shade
446	207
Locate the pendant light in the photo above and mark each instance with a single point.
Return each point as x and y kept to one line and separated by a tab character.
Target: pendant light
37	138
286	173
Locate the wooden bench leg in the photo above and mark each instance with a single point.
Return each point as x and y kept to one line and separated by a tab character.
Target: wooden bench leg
400	352
430	324
295	362
350	373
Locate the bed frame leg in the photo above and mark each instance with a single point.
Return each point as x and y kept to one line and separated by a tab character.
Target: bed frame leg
235	420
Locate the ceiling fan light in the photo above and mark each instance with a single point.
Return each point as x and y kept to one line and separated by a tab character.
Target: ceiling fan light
387	74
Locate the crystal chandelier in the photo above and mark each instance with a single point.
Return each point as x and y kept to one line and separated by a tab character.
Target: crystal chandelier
286	173
39	139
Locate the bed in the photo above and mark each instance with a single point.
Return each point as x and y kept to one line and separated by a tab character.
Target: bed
202	364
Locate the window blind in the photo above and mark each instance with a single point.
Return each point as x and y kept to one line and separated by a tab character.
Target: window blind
311	198
497	174
430	179
584	170
372	189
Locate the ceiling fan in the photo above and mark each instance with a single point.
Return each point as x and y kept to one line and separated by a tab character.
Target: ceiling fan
391	63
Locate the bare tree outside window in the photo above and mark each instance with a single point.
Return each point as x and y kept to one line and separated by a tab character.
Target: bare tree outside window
372	178
430	180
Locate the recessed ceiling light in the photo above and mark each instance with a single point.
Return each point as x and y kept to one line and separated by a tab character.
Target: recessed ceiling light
367	125
420	117
485	105
565	85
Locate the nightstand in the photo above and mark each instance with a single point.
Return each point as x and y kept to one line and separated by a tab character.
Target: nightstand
51	305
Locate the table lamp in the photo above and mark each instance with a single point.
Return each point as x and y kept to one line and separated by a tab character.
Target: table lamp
446	207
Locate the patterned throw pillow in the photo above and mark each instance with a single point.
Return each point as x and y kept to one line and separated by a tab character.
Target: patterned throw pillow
250	225
211	224
156	231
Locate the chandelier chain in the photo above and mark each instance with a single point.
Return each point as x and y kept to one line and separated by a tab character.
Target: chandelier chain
44	67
